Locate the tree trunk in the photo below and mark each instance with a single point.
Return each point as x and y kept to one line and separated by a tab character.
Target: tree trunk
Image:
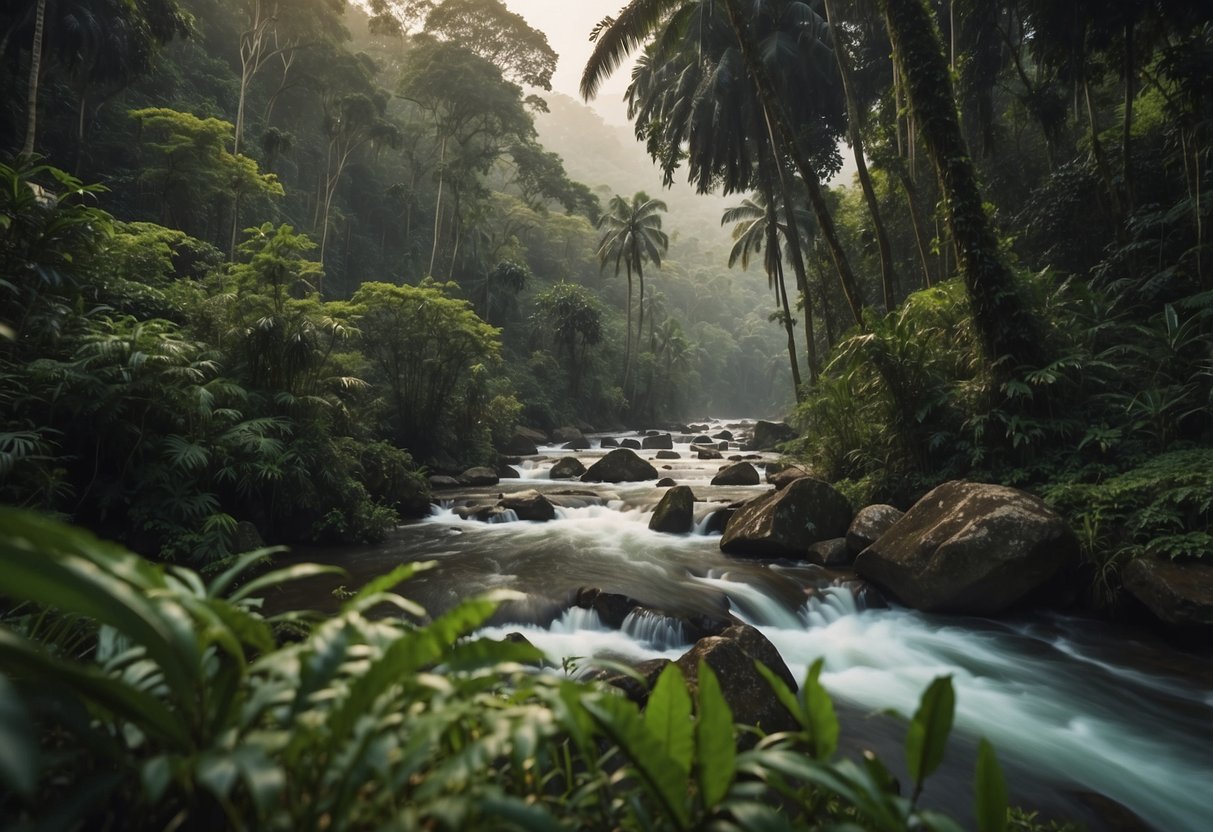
35	70
786	140
1010	335
907	185
1130	73
438	207
627	344
781	289
888	277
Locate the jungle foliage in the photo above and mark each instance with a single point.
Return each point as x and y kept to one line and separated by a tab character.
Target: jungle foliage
176	700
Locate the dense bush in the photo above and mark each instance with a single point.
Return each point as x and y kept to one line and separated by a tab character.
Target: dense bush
174	701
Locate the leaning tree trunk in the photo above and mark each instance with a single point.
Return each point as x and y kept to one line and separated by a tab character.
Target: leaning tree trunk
35	69
888	277
1010	335
776	273
787	141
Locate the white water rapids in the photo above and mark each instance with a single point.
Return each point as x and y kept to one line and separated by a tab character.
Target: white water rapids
1076	705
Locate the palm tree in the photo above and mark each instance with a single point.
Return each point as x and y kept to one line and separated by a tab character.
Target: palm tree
756	230
706	91
631	237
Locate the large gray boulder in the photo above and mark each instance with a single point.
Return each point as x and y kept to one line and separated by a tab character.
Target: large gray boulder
869	524
669	455
620	465
662	442
609	442
520	444
480	476
568	433
833	553
1178	593
675	514
739	473
567	468
767	435
529	505
970	548
783	524
785	475
731	655
632	444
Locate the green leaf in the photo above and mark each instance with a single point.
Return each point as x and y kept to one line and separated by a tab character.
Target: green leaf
927	738
717	751
384	583
19	762
620	719
667	717
990	790
126	702
239	567
281	576
819	709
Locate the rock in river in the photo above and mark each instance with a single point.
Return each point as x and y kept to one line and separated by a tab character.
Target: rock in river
529	505
567	468
480	476
675	513
869	524
731	655
662	441
1178	593
783	524
620	465
971	548
739	473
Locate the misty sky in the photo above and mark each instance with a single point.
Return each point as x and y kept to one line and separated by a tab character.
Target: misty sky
567	23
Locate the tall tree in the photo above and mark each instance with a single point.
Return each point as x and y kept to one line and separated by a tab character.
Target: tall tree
632	235
1010	334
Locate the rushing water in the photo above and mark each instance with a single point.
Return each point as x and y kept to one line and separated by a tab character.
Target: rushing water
1075	708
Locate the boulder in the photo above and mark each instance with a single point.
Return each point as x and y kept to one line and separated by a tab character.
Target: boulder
666	482
769	434
480	476
786	475
505	471
536	436
246	537
662	441
567	468
620	465
581	444
832	552
869	524
636	690
529	505
609	442
718	520
970	547
568	433
439	481
669	455
722	446
702	439
724	434
675	514
739	473
1178	593
631	444
484	514
709	453
519	445
612	608
731	655
786	523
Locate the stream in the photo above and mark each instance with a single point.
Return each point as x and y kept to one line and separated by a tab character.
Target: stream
1084	715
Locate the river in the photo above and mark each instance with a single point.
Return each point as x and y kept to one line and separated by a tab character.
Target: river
1079	711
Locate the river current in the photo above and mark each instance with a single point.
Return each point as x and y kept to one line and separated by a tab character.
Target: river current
1082	713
